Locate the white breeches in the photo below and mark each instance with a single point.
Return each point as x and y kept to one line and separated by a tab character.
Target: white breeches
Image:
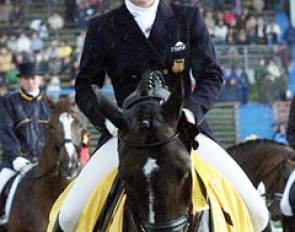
285	203
106	159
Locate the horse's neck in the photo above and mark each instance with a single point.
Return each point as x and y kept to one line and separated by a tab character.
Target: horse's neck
267	165
256	162
47	163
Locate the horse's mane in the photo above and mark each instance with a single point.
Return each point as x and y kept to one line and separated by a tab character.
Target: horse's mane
255	142
273	146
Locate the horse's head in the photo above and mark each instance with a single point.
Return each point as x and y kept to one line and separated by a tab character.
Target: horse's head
154	164
64	136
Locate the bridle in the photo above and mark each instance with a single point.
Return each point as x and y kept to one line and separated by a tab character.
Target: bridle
270	197
64	142
173	225
55	167
140	101
154	144
182	221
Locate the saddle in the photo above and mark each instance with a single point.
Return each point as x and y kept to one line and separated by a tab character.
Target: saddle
8	192
4	194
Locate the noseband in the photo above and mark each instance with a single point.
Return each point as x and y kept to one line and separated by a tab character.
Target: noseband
158	143
173	225
64	142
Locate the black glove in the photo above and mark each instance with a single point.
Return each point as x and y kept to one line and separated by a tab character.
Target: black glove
189	130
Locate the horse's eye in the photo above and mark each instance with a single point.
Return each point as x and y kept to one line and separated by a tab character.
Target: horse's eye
146	124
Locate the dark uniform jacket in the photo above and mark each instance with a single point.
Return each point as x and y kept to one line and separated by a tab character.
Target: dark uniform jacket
115	45
23	119
291	125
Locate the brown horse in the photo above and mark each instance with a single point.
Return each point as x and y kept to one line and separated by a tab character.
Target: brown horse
57	166
269	162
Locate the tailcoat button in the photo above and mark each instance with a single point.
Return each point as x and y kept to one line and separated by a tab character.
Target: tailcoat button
165	71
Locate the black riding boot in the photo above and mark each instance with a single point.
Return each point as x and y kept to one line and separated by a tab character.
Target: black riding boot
57	227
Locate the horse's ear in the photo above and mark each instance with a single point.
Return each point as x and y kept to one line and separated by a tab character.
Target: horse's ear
173	106
109	109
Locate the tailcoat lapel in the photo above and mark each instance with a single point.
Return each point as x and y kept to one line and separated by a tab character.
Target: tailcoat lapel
161	32
126	28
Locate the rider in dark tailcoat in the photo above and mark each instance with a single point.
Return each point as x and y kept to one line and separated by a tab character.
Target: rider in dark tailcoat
115	45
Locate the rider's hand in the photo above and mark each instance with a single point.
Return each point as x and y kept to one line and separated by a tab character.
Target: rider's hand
188	123
19	162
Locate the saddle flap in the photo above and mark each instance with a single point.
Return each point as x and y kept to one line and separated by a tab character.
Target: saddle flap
5	192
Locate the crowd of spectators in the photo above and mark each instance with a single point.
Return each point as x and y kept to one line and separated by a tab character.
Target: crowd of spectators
39	40
240	26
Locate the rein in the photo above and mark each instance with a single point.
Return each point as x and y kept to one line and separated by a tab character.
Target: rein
158	143
64	142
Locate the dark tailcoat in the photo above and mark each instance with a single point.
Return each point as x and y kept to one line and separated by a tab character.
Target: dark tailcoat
291	125
116	46
23	120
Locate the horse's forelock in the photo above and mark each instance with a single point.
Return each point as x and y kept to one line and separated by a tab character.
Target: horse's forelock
63	105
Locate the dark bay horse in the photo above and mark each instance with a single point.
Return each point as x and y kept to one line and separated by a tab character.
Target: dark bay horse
155	167
57	166
269	162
